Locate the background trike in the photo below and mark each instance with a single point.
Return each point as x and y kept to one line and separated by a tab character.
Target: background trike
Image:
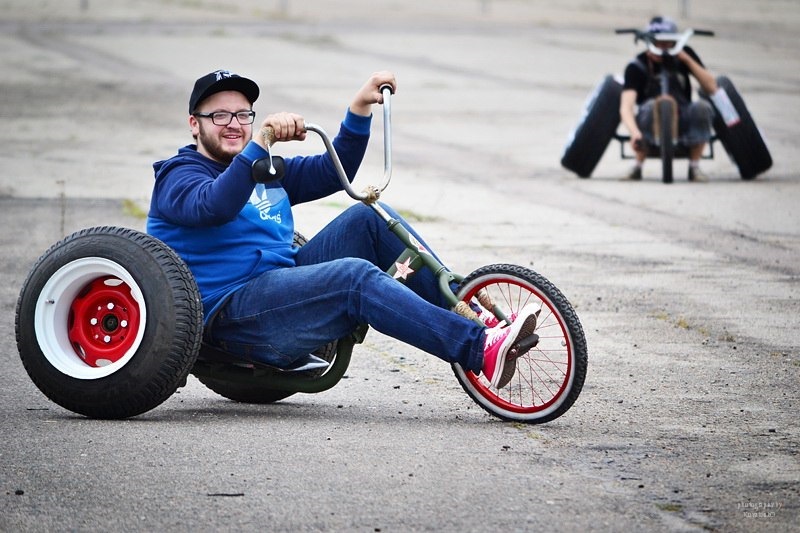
732	123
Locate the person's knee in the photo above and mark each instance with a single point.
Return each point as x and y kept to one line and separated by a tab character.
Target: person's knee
645	112
361	218
645	119
360	212
357	270
701	111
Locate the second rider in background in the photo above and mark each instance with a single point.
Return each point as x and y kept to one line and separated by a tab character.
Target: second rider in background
642	86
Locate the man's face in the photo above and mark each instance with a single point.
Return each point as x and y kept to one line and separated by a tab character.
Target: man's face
221	143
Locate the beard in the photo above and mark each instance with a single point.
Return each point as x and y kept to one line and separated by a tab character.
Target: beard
220	149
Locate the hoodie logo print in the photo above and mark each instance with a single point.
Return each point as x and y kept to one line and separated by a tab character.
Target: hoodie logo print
260	200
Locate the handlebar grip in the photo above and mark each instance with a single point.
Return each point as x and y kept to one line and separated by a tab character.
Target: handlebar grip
707	33
268	134
626	30
385	87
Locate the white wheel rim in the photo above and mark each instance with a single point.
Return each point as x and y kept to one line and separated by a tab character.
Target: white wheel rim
52	311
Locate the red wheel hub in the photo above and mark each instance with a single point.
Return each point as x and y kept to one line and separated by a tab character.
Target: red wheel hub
103	321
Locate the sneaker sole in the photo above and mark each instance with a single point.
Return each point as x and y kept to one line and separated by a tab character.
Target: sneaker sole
510	365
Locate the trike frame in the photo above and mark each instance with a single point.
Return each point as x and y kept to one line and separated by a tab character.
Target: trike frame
109	324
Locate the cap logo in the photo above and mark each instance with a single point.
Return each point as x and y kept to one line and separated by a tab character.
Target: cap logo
223	74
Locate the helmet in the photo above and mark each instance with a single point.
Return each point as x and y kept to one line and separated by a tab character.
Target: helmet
662	25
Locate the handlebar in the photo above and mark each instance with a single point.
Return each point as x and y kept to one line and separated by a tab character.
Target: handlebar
680	39
270	168
371	192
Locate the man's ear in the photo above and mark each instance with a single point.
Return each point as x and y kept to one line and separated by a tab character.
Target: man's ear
194	125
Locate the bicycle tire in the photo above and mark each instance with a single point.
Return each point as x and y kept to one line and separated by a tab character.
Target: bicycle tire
550	377
666	112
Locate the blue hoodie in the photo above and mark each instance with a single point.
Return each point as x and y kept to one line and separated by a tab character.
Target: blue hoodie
229	229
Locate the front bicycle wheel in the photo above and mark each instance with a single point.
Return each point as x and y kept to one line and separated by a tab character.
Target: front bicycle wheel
666	134
550	376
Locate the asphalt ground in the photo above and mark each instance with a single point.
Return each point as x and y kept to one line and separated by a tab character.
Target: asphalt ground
688	293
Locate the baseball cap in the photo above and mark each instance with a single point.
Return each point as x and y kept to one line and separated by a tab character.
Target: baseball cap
662	25
221	80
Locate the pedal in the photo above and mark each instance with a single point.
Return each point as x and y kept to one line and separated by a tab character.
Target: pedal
525	344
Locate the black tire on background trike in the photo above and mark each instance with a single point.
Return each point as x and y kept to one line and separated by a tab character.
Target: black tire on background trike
109	322
742	141
550	376
240	384
598	124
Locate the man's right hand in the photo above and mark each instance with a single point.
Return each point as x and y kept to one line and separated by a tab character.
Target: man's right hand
637	141
281	127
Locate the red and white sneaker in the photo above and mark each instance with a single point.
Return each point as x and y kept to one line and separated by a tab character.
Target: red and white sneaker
491	321
488	319
499	361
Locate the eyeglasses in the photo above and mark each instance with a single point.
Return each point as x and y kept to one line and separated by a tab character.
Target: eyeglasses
223	118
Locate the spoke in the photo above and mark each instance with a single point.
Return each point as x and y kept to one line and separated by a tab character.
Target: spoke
545	383
529	382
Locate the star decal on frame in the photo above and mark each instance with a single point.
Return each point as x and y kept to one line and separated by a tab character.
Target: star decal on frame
403	269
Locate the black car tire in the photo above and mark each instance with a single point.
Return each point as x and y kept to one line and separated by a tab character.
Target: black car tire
109	322
588	141
742	141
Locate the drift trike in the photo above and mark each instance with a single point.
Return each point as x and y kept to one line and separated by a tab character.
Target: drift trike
732	123
109	323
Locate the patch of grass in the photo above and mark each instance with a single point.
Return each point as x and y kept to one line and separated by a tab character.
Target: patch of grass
670	507
528	433
132	209
660	315
337	205
411	216
681	322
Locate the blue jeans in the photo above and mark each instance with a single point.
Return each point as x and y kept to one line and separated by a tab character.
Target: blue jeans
694	122
339	282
